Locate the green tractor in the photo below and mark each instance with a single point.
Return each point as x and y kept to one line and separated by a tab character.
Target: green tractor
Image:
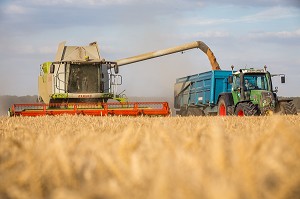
252	94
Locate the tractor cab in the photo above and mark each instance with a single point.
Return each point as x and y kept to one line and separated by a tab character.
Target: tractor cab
254	86
247	81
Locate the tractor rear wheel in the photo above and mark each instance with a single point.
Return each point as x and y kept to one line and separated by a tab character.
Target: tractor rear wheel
246	109
288	108
222	107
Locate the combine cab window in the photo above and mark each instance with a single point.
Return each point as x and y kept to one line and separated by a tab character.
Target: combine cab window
84	79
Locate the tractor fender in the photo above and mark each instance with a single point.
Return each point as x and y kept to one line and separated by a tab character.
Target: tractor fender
285	100
224	104
228	98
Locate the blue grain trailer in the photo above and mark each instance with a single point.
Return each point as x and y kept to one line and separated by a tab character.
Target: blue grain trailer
198	94
220	92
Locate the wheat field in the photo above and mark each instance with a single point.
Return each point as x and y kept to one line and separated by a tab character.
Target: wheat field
82	157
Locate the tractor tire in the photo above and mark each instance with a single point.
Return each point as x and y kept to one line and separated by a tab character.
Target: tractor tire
246	109
194	111
287	108
223	109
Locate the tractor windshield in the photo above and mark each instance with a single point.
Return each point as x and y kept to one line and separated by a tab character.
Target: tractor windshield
257	81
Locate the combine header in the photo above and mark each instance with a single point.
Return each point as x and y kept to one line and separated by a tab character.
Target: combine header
79	81
94	109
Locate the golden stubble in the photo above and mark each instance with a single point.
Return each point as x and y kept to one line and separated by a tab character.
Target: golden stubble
143	157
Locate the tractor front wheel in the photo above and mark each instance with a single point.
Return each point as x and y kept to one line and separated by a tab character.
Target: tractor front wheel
246	109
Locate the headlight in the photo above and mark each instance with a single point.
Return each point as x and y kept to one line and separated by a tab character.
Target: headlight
265	101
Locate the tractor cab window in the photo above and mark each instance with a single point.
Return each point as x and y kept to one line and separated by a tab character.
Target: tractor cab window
255	82
236	82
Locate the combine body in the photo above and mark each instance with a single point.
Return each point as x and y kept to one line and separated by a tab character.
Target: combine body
78	75
244	92
79	81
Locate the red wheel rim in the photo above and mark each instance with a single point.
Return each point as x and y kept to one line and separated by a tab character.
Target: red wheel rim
222	110
240	113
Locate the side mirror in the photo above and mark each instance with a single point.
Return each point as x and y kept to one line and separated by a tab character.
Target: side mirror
276	89
116	68
282	79
230	79
52	68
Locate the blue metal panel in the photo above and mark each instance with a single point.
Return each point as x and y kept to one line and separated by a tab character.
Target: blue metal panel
206	87
221	84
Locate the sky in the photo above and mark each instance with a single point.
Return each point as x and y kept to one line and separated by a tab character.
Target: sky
241	33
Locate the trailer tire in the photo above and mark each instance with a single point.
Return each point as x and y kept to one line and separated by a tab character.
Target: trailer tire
182	111
246	109
194	111
288	108
223	107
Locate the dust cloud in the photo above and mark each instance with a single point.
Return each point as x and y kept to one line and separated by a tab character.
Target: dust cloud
7	101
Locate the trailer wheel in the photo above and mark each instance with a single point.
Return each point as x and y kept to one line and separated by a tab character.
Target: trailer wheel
246	109
193	111
182	112
222	107
288	108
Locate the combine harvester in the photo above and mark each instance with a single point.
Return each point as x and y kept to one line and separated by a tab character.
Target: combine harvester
79	81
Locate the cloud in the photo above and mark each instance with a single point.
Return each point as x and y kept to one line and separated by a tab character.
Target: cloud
183	4
75	2
199	3
280	35
85	3
273	13
269	14
206	34
259	3
13	9
27	49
